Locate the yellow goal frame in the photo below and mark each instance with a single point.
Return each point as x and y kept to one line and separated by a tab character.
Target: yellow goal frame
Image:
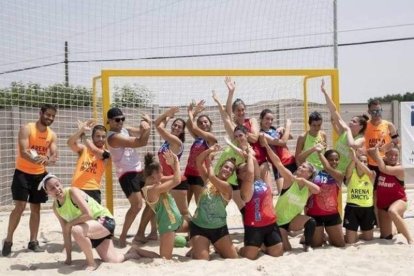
107	74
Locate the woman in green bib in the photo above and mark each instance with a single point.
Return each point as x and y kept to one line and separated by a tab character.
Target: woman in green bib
89	223
350	135
359	209
309	141
297	187
209	224
157	196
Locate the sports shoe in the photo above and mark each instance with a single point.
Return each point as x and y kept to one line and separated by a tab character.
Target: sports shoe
6	248
34	246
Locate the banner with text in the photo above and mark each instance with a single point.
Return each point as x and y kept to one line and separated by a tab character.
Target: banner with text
407	134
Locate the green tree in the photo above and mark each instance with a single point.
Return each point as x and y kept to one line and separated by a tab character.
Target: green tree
134	95
407	97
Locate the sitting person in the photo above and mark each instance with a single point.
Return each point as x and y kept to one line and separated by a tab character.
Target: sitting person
90	224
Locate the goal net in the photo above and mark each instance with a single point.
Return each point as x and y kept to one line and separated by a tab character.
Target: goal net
50	51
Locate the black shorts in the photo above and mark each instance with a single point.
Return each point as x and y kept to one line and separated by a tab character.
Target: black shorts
131	182
285	226
211	234
183	186
195	180
256	236
377	173
24	187
328	220
108	223
95	194
355	216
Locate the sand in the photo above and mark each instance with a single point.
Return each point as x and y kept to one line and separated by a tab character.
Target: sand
378	257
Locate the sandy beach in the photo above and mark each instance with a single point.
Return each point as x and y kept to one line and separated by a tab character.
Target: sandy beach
378	257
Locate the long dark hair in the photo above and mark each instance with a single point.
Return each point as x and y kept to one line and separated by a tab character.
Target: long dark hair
182	134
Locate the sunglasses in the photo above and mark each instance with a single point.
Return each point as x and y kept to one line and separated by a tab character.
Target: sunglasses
375	111
119	119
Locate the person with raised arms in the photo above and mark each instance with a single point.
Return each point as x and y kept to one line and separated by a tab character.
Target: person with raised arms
297	188
92	157
351	135
157	196
200	129
391	196
209	224
260	228
122	144
359	209
323	206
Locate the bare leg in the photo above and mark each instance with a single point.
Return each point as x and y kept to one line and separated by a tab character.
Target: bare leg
275	250
167	245
14	219
34	221
200	248
80	234
196	190
396	212
318	240
351	236
135	200
249	252
367	235
225	248
147	216
385	224
336	236
285	240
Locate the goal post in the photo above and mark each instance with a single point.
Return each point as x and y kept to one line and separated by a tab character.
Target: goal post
305	76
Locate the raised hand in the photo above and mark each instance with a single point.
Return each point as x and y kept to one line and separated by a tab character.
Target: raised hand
323	86
170	157
199	107
171	112
231	85
215	97
86	125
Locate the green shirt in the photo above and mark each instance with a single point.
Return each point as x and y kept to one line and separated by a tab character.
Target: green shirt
211	209
342	147
168	216
69	211
360	190
313	158
227	154
291	203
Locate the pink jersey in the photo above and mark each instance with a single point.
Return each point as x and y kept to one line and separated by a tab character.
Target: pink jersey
259	210
167	169
326	202
197	148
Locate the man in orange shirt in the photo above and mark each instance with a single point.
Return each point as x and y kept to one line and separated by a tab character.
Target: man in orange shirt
36	150
378	131
92	155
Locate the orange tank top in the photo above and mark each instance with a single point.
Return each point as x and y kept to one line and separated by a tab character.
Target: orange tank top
38	141
375	134
89	171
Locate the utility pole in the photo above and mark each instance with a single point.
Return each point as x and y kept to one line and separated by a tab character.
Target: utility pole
66	64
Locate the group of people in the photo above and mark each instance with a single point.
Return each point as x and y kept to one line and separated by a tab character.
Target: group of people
365	158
